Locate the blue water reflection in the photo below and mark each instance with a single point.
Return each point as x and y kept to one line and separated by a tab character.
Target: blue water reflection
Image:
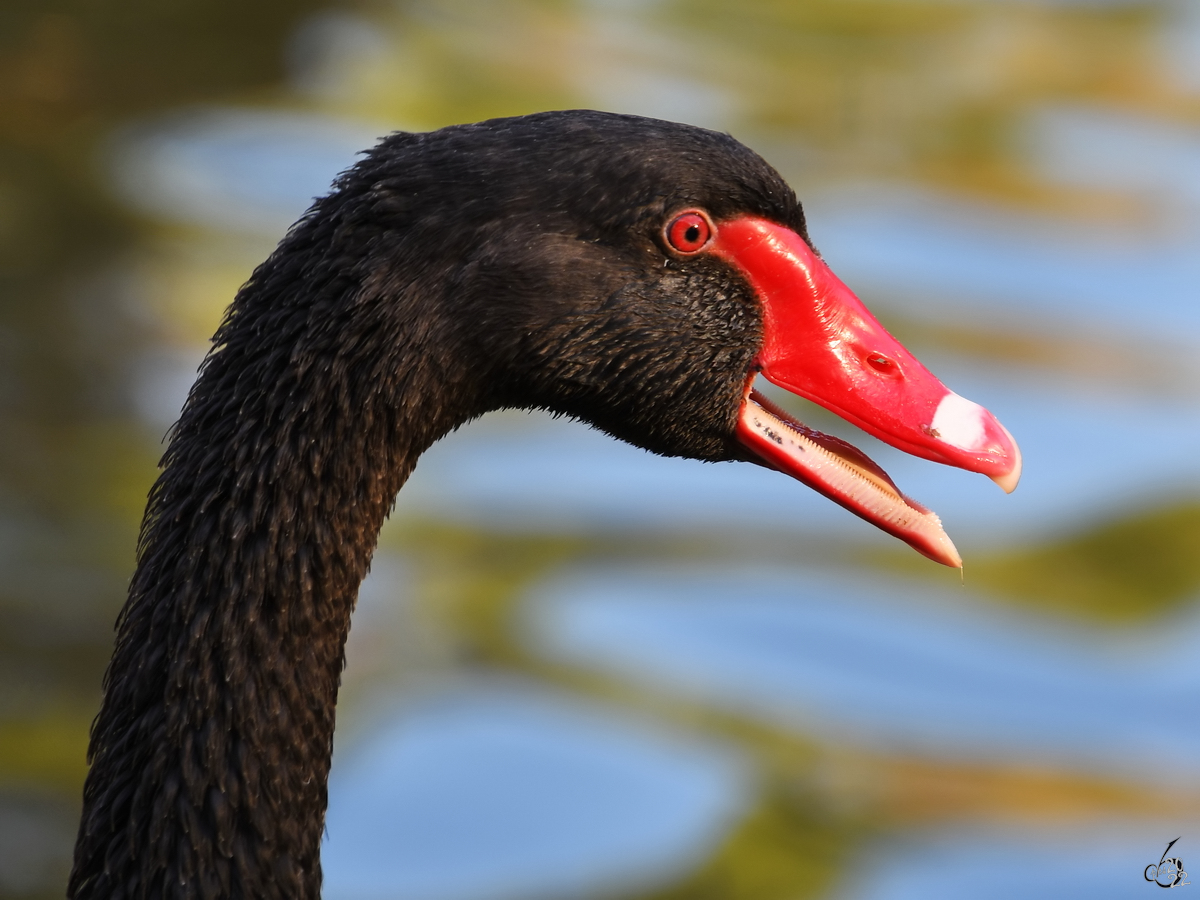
1110	150
254	170
868	661
512	793
952	258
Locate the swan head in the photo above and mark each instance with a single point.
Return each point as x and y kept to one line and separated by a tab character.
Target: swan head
639	275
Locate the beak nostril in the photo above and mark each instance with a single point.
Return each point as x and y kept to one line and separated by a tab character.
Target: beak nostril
881	363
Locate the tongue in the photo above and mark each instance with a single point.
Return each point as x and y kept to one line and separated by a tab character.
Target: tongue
844	474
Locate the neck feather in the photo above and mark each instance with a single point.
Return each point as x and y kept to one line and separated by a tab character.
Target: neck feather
211	753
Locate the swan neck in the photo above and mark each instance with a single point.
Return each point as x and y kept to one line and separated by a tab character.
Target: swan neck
210	756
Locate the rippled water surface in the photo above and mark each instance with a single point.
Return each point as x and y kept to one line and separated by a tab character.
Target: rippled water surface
508	793
873	663
578	669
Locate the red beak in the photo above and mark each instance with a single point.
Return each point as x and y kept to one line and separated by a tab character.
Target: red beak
821	343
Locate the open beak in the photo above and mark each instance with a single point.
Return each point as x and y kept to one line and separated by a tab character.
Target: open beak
821	343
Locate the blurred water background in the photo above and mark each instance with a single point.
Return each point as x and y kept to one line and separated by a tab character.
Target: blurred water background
577	670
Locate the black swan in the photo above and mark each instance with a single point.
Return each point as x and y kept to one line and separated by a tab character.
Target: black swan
631	273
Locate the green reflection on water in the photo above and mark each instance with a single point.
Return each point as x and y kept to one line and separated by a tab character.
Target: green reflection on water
784	848
1130	570
74	466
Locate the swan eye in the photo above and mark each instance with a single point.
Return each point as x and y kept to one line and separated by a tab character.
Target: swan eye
689	232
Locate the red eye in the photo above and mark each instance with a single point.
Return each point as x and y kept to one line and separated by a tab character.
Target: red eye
689	232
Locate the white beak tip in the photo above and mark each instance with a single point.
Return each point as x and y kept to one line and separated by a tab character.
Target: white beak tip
1008	481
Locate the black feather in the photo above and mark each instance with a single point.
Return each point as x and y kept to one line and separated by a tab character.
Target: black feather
512	263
